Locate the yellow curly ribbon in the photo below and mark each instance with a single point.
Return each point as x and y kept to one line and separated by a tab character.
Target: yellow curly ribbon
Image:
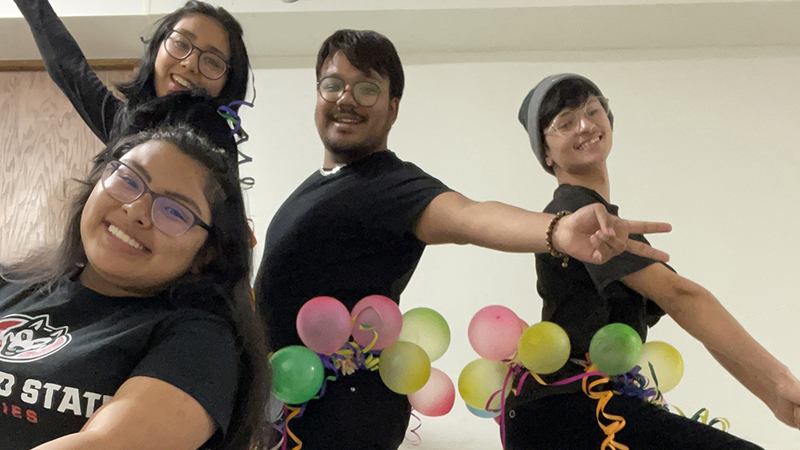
603	397
702	416
294	412
372	362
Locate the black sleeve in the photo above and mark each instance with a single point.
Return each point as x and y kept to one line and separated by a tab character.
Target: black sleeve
402	197
196	352
68	68
617	267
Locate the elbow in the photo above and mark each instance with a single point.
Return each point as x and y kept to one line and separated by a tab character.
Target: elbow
684	297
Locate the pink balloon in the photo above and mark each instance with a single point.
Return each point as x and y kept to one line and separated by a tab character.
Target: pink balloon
494	332
382	315
323	324
437	397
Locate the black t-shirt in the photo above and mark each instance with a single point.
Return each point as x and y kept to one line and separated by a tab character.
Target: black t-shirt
65	353
584	297
346	235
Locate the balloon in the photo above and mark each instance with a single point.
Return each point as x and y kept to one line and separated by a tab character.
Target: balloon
666	361
428	329
380	314
324	324
615	348
494	332
544	347
404	367
437	397
482	413
479	380
297	374
274	409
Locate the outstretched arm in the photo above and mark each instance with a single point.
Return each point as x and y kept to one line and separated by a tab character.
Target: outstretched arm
590	234
698	312
67	66
144	413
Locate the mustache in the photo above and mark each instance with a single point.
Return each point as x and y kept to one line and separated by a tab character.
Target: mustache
348	111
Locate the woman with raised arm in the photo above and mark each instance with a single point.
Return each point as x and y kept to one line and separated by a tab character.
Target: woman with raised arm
570	127
196	47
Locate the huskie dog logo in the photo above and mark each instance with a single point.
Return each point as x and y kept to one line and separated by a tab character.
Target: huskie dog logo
25	339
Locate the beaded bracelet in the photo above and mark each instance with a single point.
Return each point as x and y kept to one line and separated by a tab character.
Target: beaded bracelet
549	238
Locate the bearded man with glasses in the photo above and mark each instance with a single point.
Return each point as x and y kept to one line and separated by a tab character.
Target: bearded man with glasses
359	224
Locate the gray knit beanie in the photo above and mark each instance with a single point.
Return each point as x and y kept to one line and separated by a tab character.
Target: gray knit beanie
529	111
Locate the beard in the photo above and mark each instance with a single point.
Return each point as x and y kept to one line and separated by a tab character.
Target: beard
346	153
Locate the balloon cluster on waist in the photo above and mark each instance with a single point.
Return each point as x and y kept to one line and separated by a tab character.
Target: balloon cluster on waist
373	336
510	351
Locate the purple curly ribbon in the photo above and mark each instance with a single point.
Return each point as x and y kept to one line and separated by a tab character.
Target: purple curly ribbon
414	430
234	115
634	384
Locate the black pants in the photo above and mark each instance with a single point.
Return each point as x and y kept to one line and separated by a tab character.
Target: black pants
357	412
567	421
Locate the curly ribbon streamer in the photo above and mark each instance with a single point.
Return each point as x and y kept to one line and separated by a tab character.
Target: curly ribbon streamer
414	430
251	226
229	114
603	397
702	416
295	411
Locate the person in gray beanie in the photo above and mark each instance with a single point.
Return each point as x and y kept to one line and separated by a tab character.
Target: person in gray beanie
570	127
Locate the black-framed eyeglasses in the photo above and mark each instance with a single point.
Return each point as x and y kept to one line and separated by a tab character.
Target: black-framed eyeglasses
365	93
566	124
168	215
179	46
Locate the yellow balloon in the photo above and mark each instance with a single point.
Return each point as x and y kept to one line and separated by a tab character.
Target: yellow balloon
479	380
544	347
404	367
667	363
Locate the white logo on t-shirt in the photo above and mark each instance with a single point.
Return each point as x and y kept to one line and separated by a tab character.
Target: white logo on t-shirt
24	338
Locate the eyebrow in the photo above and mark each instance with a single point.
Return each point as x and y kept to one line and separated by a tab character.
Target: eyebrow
172	194
210	48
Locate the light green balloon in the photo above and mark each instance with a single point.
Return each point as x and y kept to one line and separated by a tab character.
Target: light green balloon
428	329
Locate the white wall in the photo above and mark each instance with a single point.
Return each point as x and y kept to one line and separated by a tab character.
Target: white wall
705	140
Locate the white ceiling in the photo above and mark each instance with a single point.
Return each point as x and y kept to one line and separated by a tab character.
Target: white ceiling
275	29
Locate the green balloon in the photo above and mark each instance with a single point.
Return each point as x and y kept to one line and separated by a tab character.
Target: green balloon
428	329
297	374
615	348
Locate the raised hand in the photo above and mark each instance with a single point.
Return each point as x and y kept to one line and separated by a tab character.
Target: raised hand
593	235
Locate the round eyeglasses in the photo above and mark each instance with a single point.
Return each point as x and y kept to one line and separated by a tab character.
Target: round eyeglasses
169	215
567	123
365	93
179	46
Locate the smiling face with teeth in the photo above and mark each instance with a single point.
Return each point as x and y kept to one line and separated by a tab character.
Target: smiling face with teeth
585	150
350	131
172	75
127	255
